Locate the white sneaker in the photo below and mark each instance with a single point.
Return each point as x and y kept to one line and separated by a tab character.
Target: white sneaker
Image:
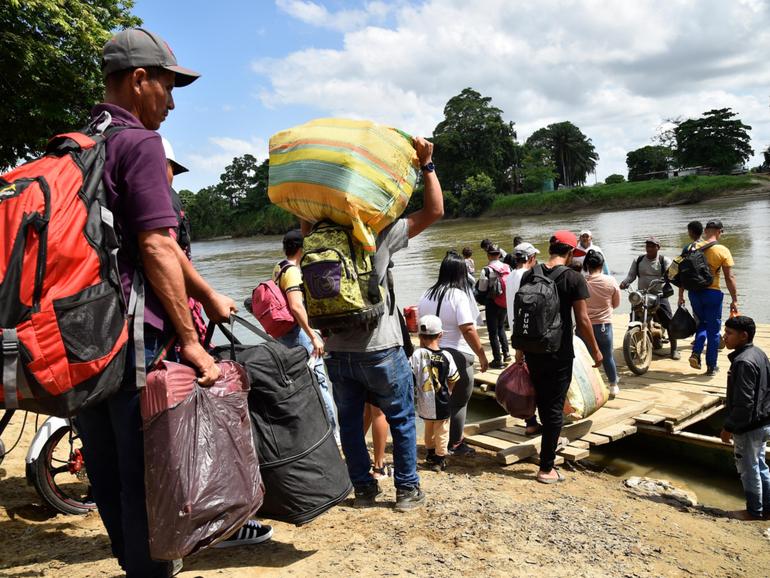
614	390
252	532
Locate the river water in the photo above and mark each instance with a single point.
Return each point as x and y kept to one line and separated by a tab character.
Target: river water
235	266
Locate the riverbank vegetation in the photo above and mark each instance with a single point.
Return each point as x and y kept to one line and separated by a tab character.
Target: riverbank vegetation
681	190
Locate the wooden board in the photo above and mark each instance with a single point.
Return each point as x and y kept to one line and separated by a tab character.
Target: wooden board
679	426
616	432
582	444
649	418
595	439
605	417
572	454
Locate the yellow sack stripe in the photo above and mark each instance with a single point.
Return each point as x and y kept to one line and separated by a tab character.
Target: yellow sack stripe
355	173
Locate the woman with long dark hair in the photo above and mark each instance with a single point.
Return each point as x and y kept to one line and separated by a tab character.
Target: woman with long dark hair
450	299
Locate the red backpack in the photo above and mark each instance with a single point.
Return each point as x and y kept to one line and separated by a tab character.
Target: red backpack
62	309
500	284
269	306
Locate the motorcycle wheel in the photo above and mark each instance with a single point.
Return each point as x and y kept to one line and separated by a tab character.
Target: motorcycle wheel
2	451
634	341
59	475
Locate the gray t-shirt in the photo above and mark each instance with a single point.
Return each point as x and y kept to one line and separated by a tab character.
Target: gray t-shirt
387	333
646	271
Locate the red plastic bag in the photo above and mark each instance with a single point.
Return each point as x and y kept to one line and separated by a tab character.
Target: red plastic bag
515	392
201	472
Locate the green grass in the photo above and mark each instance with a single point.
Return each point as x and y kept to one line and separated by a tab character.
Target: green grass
682	190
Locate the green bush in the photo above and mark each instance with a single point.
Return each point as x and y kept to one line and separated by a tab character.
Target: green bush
477	195
614	179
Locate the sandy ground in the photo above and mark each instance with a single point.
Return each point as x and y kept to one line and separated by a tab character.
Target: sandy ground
480	520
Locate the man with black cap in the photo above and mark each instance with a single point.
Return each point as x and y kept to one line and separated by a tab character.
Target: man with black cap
707	303
140	73
647	268
492	284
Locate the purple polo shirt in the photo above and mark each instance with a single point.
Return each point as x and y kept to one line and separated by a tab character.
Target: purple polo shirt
137	190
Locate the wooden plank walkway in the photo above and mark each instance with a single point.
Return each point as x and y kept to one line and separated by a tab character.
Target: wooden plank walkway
670	397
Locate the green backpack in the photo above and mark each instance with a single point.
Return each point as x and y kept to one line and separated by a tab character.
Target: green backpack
339	280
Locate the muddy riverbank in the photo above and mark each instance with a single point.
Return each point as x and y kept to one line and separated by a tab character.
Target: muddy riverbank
480	520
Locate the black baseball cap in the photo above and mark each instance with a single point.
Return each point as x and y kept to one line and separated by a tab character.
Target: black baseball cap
715	224
137	48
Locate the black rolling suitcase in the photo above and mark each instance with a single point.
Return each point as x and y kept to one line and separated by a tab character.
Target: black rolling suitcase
301	466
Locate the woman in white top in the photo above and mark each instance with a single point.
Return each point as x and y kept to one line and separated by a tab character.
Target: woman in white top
450	299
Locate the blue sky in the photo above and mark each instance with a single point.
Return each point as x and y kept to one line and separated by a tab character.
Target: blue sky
616	69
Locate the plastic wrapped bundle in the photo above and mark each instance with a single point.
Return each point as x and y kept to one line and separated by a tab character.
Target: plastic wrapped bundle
355	173
202	477
514	391
587	392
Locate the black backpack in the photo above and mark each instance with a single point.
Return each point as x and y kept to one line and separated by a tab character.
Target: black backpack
537	325
694	272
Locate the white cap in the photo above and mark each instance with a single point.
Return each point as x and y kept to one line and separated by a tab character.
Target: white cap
175	166
525	250
586	232
430	325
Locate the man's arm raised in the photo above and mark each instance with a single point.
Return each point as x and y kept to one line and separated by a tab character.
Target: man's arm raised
433	203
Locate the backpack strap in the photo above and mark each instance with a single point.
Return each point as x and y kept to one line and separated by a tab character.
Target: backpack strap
704	248
136	311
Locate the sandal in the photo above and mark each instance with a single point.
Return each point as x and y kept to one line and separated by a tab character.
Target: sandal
559	478
385	471
538	429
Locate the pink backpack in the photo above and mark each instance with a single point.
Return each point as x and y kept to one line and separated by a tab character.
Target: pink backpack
269	306
502	274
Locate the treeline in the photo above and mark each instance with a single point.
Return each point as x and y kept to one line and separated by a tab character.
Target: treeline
480	161
237	205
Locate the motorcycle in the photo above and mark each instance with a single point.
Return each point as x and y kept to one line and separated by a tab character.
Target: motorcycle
644	334
54	464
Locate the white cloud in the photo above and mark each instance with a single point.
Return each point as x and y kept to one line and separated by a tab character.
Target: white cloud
207	165
317	14
616	69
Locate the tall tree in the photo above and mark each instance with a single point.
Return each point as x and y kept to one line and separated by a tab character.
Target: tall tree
572	151
50	75
717	139
473	138
239	180
646	160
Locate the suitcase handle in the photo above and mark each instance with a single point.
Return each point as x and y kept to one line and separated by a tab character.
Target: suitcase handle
228	333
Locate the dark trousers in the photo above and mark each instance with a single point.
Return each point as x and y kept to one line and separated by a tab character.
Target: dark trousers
461	395
496	329
113	448
551	377
663	316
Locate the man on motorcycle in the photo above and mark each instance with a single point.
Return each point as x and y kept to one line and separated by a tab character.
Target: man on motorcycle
647	268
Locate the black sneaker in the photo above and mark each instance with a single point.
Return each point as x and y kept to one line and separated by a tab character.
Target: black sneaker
409	498
496	364
695	361
252	532
439	464
507	358
366	496
712	371
430	455
462	449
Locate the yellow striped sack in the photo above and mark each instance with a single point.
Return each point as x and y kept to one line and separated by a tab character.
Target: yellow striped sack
356	173
588	391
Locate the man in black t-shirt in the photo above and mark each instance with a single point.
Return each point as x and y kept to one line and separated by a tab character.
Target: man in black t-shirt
551	373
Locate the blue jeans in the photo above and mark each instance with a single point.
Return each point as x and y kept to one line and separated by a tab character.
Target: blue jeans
707	306
113	447
752	468
603	335
297	337
383	378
